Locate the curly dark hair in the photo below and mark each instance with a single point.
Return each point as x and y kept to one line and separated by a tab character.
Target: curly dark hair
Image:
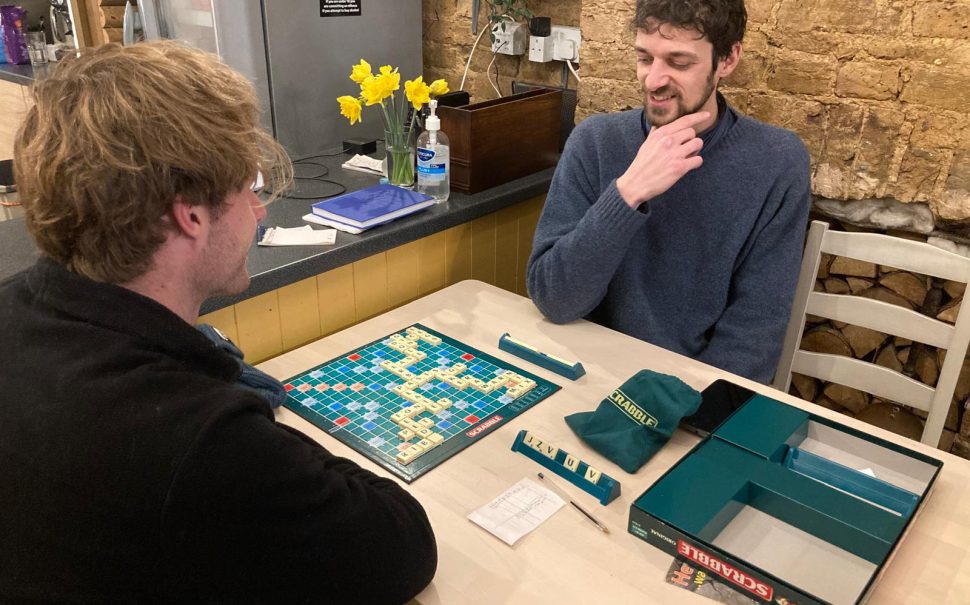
720	21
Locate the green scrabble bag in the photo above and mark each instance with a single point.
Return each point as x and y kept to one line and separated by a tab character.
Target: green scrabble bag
637	419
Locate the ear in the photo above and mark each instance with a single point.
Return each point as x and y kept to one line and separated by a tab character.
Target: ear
188	220
727	64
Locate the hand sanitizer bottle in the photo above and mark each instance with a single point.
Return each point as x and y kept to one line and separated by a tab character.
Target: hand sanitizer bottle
434	170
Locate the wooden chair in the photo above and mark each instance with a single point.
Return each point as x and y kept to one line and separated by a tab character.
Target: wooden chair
880	316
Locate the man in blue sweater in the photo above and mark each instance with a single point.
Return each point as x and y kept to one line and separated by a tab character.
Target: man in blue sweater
681	223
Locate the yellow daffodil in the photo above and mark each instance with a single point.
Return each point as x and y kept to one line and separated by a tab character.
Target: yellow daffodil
372	90
417	92
350	108
439	87
360	71
390	79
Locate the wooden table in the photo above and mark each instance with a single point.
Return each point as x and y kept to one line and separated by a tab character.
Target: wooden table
566	560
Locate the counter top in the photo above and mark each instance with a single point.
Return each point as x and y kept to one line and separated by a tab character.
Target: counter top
23	74
274	267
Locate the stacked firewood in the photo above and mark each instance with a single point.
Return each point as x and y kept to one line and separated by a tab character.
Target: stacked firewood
936	298
102	20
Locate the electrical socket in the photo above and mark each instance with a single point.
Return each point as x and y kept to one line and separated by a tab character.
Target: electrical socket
540	49
565	43
509	40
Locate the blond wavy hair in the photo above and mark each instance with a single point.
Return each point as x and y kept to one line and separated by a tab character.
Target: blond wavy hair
116	134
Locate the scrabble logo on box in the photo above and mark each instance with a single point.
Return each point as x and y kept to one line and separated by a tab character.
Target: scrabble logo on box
724	570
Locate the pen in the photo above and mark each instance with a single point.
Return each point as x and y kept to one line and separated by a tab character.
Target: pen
582	510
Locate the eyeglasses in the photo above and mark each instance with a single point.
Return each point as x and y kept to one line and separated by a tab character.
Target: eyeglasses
258	184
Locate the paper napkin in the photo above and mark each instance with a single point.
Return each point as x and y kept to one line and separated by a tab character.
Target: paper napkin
297	236
364	163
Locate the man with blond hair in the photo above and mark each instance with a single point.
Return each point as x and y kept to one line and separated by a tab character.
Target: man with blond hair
134	467
682	222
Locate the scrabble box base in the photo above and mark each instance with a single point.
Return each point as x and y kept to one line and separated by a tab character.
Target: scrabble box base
786	505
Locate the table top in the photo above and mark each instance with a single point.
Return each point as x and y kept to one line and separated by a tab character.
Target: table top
566	560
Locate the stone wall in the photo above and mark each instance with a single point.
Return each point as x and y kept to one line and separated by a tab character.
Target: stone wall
448	41
879	90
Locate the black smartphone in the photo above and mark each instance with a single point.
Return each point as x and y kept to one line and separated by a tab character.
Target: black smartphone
718	401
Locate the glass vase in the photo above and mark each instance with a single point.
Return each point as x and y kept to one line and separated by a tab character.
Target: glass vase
399	159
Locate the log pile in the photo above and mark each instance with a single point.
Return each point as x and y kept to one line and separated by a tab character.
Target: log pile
106	21
937	298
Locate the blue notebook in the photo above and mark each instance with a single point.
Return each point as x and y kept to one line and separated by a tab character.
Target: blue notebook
372	206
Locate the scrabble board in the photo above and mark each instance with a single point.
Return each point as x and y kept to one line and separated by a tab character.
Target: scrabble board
411	400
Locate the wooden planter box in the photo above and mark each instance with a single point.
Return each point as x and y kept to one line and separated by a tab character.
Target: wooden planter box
497	141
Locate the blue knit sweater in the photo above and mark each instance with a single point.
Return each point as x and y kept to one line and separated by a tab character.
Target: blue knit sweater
707	269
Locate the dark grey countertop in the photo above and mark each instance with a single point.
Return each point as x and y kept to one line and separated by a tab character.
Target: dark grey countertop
275	267
23	74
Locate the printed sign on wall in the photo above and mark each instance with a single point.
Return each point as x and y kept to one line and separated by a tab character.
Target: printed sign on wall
340	8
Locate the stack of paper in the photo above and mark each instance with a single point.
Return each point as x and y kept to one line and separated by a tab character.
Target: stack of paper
366	208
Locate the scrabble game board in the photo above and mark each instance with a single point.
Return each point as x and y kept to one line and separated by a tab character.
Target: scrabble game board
413	399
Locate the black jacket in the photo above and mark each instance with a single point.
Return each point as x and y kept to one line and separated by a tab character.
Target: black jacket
133	470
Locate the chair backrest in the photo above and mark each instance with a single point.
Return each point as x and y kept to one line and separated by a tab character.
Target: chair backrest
883	317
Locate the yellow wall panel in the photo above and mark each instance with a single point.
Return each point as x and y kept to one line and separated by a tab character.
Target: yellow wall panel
299	313
403	270
370	286
458	246
527	229
432	263
507	248
224	320
258	325
494	249
483	249
335	293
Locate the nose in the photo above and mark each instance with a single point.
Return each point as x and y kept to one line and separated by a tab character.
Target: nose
657	77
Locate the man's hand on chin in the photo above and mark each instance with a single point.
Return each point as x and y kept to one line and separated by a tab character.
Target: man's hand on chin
668	153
